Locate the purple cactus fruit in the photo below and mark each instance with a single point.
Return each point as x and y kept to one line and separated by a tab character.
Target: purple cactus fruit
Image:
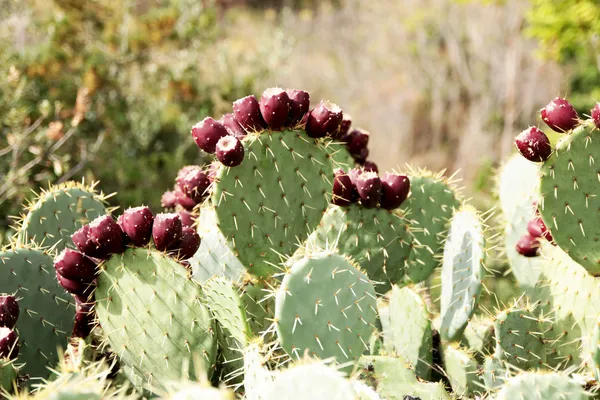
207	133
9	311
537	228
354	173
166	231
344	133
230	151
107	236
84	319
137	224
81	239
358	139
323	120
183	200
560	115
368	186
342	188
533	144
168	199
75	266
275	108
193	182
299	106
234	128
190	241
77	288
187	218
361	157
247	113
596	115
9	344
370	166
394	190
528	245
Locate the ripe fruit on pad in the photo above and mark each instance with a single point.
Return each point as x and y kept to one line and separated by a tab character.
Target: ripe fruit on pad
358	139
560	115
247	113
342	188
107	235
230	151
275	108
84	320
168	199
188	245
394	190
9	346
528	245
184	201
83	290
533	144
368	186
229	121
137	224
166	231
9	311
75	266
370	166
207	133
596	115
299	106
323	120
193	182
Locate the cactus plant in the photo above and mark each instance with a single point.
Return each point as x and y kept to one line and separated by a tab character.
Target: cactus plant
462	370
541	386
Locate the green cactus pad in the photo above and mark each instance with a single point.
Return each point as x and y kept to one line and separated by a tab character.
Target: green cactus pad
256	376
47	311
195	391
462	371
518	181
392	379
478	337
494	374
594	350
432	203
542	386
58	212
8	376
327	307
569	188
462	272
380	241
519	338
259	306
407	329
274	199
153	317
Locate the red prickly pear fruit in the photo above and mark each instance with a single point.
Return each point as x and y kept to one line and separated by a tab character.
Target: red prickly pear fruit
324	120
166	231
361	157
207	133
528	245
394	190
183	200
9	344
230	151
193	182
137	224
370	166
189	244
299	106
344	133
9	311
75	266
81	239
354	173
358	139
537	228
83	290
235	129
107	236
168	199
342	188
368	186
275	108
560	115
596	115
247	113
187	218
84	319
533	144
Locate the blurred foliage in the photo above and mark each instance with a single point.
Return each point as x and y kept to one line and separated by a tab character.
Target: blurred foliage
108	90
569	32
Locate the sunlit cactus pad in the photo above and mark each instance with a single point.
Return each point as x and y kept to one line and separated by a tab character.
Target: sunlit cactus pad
542	386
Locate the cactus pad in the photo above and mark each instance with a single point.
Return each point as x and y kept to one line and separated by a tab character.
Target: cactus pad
380	241
47	311
274	199
327	307
494	374
462	371
8	376
462	272
518	181
260	308
569	187
538	386
153	317
479	337
58	212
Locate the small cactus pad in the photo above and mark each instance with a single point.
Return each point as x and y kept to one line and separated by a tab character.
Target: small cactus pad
432	203
274	199
519	338
327	307
58	212
407	329
569	187
256	376
8	375
46	310
259	306
462	371
195	391
379	240
494	374
153	316
462	272
542	386
479	337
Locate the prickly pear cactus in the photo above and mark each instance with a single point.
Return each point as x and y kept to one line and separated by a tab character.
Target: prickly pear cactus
494	374
462	272
478	337
327	307
8	375
462	370
152	314
542	386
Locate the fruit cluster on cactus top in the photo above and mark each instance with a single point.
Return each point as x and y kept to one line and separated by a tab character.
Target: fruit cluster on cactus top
529	244
192	186
9	314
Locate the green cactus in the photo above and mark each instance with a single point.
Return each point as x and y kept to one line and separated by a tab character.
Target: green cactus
494	373
407	329
594	350
478	337
327	307
256	376
462	371
8	376
195	390
47	311
259	306
462	272
542	386
518	182
152	314
380	241
58	212
270	203
432	202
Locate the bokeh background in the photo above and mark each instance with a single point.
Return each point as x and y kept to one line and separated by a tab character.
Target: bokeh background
109	89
